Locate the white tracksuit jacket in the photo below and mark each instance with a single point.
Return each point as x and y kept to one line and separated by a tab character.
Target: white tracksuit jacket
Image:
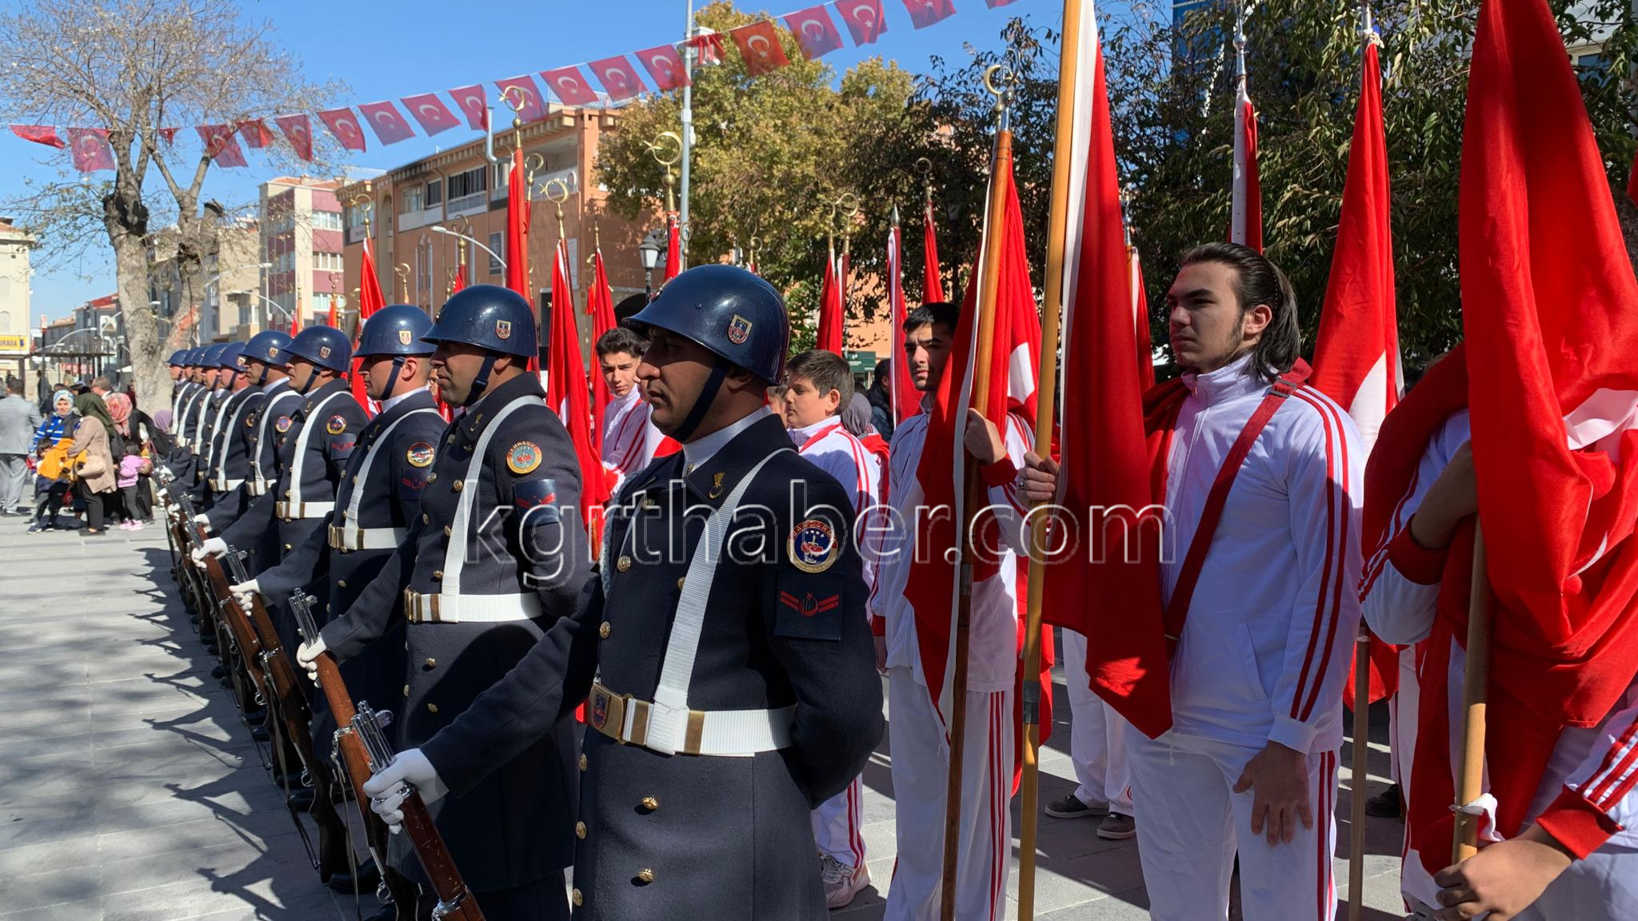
629	438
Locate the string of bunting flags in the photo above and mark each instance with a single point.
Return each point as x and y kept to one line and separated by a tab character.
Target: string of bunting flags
813	28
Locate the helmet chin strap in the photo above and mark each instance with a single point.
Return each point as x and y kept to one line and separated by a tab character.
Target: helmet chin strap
262	377
481	382
702	404
307	385
392	382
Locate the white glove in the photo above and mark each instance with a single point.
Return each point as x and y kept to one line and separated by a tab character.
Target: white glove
387	789
243	592
202	519
307	653
215	546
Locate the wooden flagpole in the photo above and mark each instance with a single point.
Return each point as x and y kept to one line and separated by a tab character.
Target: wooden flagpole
1362	731
1475	684
1046	396
973	488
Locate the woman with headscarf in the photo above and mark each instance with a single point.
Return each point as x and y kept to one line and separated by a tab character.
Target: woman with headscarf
53	442
94	465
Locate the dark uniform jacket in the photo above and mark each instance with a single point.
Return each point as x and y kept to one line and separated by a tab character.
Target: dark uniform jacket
229	451
184	425
699	836
523	535
398	445
263	441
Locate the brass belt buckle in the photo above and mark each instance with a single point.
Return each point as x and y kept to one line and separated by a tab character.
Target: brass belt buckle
608	712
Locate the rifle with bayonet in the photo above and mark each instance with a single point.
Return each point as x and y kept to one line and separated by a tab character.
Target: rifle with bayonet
454	899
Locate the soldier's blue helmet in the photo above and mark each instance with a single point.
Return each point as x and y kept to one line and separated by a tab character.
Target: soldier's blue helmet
229	356
266	345
324	346
210	357
728	311
178	359
487	316
396	329
196	357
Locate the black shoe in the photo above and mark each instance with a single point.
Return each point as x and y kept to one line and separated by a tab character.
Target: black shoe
342	880
219	671
1389	804
301	799
259	733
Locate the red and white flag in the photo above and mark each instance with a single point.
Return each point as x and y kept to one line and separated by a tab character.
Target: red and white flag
600	307
390	127
863	19
924	13
932	280
39	134
90	149
569	85
618	77
1104	458
673	247
829	337
1140	313
255	133
665	67
474	104
370	299
523	97
566	385
1246	217
906	398
759	45
431	113
298	131
1356	355
814	32
221	145
932	588
343	124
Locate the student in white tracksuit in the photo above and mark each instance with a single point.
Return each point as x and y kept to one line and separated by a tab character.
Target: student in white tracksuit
629	438
819	383
916	730
1097	749
1248	768
1599	765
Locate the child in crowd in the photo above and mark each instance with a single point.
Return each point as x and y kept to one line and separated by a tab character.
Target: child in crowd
131	468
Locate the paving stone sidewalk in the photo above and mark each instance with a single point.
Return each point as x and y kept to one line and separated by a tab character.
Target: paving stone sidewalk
131	791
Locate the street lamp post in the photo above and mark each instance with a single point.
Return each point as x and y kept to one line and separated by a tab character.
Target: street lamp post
653	244
439	228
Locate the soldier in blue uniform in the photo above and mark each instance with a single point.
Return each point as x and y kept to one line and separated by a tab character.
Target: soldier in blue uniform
257	440
181	386
722	649
189	427
497	557
225	461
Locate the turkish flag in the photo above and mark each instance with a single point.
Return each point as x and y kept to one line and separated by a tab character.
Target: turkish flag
707	47
298	131
474	104
673	247
1356	355
343	124
665	65
1140	313
932	283
906	399
255	133
600	307
370	299
90	149
863	19
829	337
570	86
221	146
1550	317
39	134
759	46
458	283
524	97
1104	457
430	112
1246	215
618	77
924	13
517	229
390	127
814	32
566	385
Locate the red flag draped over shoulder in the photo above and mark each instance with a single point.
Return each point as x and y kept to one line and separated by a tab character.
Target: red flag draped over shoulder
939	478
1356	355
566	385
600	306
1550	315
1112	558
370	299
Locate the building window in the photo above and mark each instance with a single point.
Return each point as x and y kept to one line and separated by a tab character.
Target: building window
434	193
411	201
496	243
326	220
468	183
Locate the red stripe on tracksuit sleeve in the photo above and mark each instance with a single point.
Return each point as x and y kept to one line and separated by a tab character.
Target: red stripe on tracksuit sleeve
1619	760
1336	548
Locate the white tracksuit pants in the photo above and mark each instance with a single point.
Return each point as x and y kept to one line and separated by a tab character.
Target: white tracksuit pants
921	759
1097	735
837	825
1191	824
1402	721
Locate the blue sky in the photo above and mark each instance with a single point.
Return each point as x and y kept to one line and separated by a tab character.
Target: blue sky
386	51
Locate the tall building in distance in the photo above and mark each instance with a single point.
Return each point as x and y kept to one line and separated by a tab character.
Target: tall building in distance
301	246
16	245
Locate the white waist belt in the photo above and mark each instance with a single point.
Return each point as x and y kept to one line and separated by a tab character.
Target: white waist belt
225	485
455	608
256	487
670	731
290	511
345	539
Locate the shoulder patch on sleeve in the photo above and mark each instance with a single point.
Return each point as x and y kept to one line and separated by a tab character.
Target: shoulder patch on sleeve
282	424
419	454
523	457
336	424
813	546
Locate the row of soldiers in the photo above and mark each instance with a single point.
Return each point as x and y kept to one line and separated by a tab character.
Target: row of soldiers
457	590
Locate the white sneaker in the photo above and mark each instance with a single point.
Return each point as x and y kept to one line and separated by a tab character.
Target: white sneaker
842	882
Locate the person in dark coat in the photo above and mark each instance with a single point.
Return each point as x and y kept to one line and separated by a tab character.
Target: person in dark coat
265	428
727	663
497	556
